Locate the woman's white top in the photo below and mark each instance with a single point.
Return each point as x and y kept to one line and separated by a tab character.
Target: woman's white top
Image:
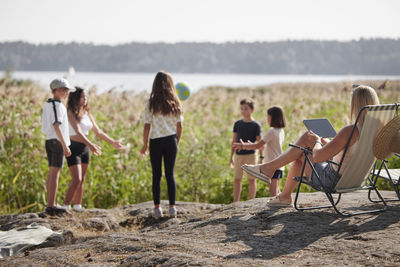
273	139
349	154
160	125
55	112
85	123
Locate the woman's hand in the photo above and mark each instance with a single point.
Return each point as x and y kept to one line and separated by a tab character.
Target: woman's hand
96	150
311	138
231	164
143	151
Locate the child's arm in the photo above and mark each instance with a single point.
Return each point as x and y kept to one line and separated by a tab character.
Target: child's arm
232	149
102	135
178	131
81	137
67	151
146	131
248	146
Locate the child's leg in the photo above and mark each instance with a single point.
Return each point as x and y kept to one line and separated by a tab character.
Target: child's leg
156	160
252	188
76	174
251	159
169	152
237	184
51	186
79	191
274	187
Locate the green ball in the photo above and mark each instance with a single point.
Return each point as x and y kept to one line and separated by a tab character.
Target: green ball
183	90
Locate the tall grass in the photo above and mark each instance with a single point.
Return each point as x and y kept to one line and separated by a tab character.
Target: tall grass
116	178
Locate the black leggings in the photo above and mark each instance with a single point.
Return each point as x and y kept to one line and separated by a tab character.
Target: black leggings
167	148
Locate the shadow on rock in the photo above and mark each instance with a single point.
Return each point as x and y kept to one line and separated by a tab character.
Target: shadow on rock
272	234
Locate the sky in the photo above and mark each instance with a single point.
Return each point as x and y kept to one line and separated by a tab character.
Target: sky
123	21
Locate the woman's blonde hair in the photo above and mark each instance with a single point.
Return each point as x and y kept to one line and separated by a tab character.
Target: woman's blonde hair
163	98
362	96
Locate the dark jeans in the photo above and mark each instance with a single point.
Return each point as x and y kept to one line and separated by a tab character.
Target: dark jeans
167	148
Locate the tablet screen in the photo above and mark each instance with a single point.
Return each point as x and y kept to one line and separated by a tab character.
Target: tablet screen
321	127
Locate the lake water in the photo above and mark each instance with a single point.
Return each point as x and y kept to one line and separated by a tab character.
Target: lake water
143	81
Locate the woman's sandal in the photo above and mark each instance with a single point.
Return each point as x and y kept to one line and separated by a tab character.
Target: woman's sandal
276	202
256	172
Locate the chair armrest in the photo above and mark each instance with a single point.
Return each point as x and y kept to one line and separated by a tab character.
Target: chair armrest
305	149
332	162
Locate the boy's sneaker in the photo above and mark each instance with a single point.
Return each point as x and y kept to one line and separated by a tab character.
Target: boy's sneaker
55	211
78	207
157	213
172	212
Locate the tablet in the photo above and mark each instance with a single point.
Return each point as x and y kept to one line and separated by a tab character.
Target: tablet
321	127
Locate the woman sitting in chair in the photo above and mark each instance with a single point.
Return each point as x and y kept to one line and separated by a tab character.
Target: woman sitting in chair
321	152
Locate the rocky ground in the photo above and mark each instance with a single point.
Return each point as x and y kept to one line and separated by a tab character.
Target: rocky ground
243	234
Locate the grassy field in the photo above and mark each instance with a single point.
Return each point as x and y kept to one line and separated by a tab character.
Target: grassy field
117	178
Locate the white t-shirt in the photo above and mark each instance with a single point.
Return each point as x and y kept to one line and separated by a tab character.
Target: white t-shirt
273	139
160	125
55	112
85	123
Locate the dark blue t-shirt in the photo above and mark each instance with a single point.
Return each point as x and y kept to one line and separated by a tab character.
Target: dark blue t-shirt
247	131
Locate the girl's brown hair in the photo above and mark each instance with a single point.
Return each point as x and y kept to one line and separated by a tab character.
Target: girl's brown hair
163	98
73	103
277	117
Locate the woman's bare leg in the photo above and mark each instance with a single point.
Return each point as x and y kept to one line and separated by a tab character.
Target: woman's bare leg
290	155
294	171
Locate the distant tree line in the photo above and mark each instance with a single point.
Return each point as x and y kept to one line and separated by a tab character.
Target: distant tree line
365	56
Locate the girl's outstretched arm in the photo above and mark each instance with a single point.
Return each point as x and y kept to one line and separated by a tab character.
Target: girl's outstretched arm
102	135
81	137
248	146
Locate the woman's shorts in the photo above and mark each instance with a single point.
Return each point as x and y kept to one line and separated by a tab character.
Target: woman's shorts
55	153
327	175
80	154
278	174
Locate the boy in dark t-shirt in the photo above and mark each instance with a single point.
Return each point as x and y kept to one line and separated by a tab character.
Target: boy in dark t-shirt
246	129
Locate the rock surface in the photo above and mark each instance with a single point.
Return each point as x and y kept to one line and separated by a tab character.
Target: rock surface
246	233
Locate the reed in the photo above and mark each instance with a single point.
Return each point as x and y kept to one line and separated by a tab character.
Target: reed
117	178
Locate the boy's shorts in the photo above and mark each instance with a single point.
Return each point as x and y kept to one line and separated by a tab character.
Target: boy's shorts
243	159
55	153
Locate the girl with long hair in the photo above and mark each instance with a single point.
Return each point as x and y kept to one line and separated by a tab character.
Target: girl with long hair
81	122
162	119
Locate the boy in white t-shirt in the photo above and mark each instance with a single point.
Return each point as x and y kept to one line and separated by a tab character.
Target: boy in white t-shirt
55	126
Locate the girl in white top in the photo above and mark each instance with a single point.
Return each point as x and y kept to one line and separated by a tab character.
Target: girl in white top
272	142
162	119
80	123
322	149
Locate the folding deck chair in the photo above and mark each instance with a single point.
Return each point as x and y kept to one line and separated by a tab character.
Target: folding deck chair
359	167
391	175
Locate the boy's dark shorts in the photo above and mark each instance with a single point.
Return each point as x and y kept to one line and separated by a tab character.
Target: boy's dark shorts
80	154
55	153
278	174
